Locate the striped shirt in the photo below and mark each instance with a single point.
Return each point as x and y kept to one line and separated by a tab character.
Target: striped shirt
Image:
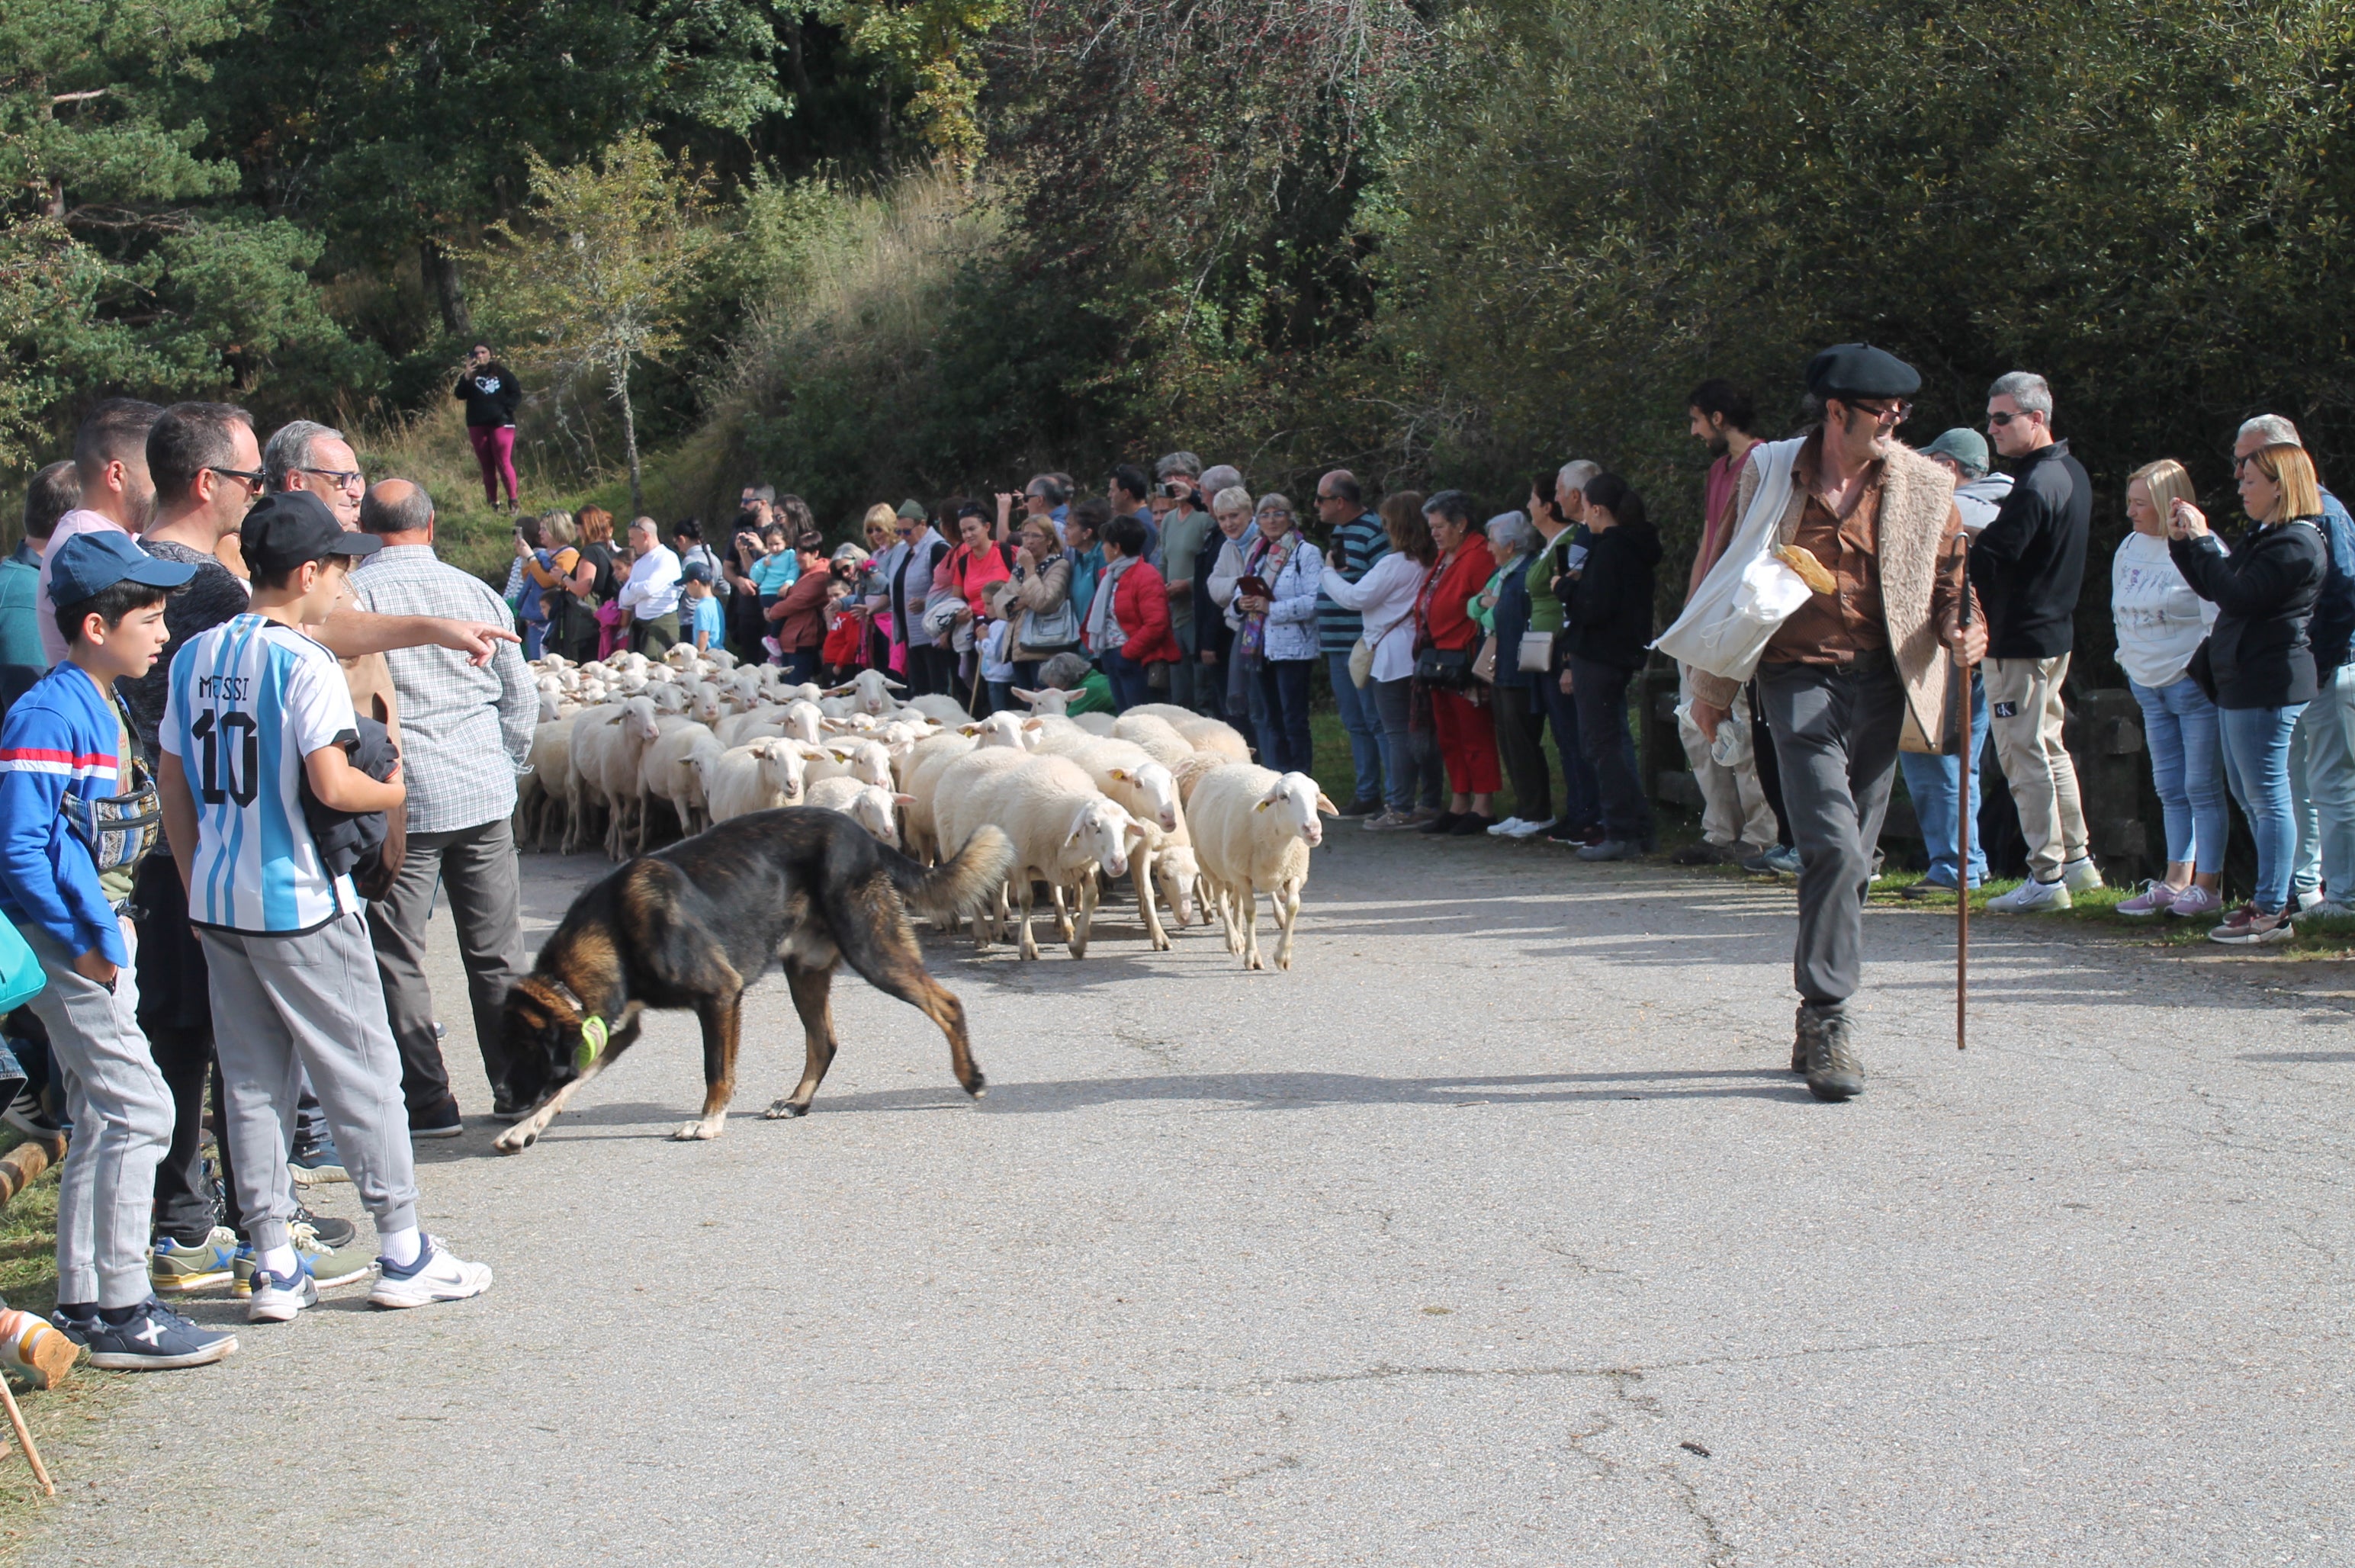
1356	546
465	730
251	699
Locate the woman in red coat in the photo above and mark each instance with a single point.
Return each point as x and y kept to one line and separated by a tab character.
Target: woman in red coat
1128	622
1460	717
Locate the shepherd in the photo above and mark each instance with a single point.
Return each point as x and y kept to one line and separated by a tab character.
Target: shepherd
1843	592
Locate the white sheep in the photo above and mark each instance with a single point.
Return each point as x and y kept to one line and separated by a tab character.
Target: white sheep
868	762
1202	734
875	809
1127	775
765	775
1095	723
1064	830
1168	747
869	691
941	709
669	772
544	796
1252	830
1046	701
606	745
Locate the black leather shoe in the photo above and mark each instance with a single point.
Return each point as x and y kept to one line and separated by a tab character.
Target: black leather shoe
1444	823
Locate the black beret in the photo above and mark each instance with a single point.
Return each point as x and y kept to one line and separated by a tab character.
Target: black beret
1859	370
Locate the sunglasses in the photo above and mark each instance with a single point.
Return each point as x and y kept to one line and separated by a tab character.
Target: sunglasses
1891	413
1996	422
254	481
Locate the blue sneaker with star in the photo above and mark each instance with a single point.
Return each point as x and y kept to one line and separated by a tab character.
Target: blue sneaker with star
155	1339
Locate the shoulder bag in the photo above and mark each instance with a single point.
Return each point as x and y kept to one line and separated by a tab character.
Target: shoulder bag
1055	632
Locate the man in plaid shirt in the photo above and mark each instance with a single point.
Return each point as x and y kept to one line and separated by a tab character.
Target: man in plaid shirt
466	730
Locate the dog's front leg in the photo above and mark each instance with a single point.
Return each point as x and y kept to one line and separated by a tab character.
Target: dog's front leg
526	1132
722	1026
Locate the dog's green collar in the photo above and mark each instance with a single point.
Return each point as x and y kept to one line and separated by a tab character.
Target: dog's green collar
594	1032
592	1043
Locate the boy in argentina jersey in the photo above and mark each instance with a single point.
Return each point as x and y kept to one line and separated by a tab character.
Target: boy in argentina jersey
257	709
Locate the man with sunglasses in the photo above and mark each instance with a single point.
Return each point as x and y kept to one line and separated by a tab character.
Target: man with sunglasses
1838	676
2029	566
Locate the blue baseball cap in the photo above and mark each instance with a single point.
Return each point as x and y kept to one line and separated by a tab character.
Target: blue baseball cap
87	564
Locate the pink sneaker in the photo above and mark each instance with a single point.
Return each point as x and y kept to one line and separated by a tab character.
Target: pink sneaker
2155	897
2190	903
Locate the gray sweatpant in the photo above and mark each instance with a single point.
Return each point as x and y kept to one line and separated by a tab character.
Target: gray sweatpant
285	1006
1835	731
122	1115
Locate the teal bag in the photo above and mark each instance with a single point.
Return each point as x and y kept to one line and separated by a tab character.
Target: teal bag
20	973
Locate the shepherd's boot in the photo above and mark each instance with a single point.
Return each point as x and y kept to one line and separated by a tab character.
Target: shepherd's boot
1834	1070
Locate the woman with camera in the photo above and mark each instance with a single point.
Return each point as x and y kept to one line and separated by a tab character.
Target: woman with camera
1447	640
2256	662
1277	598
1041	621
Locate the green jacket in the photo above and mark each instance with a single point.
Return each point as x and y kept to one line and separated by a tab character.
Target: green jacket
1546	613
1093	695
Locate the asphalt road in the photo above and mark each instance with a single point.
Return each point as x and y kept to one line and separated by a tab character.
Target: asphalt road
1496	1232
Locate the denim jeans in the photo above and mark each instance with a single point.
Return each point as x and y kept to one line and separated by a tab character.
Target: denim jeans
1182	673
1625	812
1393	700
1130	683
2322	788
1933	783
1283	743
2256	764
1581	796
1362	725
2187	769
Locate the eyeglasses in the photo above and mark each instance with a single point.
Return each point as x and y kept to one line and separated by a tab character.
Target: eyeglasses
341	478
254	481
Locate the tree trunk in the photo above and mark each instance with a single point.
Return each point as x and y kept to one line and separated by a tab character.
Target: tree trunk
796	69
629	437
442	276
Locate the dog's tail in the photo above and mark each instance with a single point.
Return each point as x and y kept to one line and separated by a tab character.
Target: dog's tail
957	889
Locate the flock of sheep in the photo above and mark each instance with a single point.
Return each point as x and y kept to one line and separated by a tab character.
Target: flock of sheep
1159	794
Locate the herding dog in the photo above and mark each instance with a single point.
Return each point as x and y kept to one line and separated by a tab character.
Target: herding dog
694	924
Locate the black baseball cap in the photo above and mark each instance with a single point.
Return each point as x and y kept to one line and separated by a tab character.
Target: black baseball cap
293	528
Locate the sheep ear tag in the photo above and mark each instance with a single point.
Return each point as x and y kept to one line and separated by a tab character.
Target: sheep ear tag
593	1035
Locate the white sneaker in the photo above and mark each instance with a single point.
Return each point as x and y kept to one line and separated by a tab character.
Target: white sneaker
439	1274
1508	829
2080	875
2029	896
2309	899
277	1299
1531	830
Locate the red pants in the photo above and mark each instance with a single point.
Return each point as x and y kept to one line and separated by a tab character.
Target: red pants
1467	743
494	449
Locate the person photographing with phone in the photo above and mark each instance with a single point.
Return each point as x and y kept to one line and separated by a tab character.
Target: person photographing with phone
492	394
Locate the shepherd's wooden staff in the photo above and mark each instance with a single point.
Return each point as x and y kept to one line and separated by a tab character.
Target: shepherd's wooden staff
1963	833
32	1454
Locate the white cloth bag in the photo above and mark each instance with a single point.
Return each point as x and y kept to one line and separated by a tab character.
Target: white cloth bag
1732	616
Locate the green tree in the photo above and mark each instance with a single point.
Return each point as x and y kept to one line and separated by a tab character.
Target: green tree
592	282
124	259
935	44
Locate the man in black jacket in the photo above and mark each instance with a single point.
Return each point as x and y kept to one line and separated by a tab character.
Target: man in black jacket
2028	566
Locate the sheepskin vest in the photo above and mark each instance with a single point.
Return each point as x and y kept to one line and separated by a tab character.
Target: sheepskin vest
1917	502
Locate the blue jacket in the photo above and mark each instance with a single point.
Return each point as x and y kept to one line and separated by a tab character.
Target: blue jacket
63	734
2333	626
1087	571
1511	619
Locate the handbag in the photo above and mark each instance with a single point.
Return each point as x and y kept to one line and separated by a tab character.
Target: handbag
1361	662
20	971
1483	665
1535	656
1445	670
1055	632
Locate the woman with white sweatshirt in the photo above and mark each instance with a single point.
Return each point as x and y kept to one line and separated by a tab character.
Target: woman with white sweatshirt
2160	622
1385	596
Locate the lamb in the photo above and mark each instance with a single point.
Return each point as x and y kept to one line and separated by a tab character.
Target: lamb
1095	723
763	776
1049	700
668	772
607	743
1063	831
1253	829
1202	734
1003	729
875	809
1193	771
